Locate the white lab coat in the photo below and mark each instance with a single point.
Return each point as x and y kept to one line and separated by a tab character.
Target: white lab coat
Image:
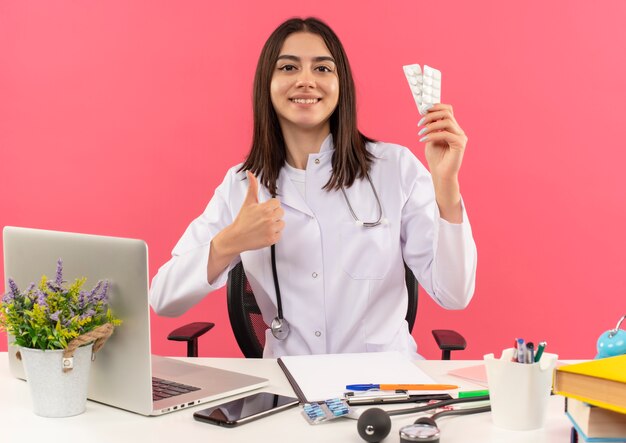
342	285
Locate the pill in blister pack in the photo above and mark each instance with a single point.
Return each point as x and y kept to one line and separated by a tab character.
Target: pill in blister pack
328	410
425	86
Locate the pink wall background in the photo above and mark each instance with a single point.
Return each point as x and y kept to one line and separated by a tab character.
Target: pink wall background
120	118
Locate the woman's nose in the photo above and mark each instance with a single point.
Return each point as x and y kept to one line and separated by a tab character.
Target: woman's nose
305	79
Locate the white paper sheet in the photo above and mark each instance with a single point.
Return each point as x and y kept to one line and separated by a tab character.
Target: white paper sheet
321	377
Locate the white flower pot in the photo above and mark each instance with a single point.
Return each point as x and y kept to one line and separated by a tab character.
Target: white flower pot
56	393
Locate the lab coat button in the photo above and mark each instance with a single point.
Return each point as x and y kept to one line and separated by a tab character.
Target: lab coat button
318	333
317	161
314	275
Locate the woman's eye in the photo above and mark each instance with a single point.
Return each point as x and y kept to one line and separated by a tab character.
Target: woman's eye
287	68
324	69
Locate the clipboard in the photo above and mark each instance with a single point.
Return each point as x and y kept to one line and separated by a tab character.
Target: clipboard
321	377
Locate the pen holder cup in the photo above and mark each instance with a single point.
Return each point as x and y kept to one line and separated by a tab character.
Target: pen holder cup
518	392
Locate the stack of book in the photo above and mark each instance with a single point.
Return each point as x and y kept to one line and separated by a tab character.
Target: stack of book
595	394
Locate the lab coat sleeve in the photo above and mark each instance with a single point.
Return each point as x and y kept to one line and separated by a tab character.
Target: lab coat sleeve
182	282
442	255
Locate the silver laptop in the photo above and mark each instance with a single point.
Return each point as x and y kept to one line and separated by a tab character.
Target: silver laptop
124	370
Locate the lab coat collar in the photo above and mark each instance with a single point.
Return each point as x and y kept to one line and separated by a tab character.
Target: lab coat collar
327	144
287	192
289	195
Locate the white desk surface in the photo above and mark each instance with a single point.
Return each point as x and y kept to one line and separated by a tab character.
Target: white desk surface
100	423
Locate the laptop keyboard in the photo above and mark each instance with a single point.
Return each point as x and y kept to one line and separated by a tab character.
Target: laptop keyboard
165	389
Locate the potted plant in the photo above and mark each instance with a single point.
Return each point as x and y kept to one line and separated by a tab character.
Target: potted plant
56	328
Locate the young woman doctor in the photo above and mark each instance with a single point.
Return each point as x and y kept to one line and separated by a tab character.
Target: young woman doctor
342	210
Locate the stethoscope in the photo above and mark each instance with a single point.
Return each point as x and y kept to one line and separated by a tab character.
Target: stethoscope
280	326
380	219
374	424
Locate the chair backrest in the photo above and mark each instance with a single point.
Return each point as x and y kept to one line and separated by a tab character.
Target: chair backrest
247	322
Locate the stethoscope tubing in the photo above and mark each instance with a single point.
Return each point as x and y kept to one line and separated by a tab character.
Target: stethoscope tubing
380	207
279	303
280	326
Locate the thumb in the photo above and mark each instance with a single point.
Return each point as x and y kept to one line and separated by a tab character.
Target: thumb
253	190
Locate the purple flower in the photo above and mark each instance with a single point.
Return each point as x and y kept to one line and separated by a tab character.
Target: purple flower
30	287
82	299
41	299
13	288
8	297
105	289
34	296
59	276
53	286
88	313
55	316
92	297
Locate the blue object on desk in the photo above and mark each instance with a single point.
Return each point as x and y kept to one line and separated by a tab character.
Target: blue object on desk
612	342
403	387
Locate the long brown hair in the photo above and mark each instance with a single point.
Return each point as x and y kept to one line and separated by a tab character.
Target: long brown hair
268	152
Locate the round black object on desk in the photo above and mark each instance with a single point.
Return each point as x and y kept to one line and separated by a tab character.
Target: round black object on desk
374	425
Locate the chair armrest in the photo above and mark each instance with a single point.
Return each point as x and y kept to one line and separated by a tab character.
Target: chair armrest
190	334
448	340
190	331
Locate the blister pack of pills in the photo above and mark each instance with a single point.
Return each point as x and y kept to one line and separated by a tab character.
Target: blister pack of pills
316	413
425	86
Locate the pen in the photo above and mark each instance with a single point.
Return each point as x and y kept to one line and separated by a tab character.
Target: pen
521	351
531	352
409	387
540	348
365	397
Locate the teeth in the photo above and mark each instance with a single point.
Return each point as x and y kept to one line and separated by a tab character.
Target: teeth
305	101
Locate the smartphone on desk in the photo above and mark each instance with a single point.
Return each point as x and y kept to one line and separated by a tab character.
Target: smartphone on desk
246	409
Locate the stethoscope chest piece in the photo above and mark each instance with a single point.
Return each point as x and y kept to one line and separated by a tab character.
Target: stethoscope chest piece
280	328
424	429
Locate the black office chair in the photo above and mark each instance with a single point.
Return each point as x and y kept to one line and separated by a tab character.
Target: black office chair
249	328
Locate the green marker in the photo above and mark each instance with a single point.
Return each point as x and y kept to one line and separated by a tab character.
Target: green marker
468	394
540	348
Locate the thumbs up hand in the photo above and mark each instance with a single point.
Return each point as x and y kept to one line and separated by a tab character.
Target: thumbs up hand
252	196
258	224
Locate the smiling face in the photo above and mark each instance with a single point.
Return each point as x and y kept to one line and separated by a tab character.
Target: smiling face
305	87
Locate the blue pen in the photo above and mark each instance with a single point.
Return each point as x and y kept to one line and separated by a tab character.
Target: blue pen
521	351
405	387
